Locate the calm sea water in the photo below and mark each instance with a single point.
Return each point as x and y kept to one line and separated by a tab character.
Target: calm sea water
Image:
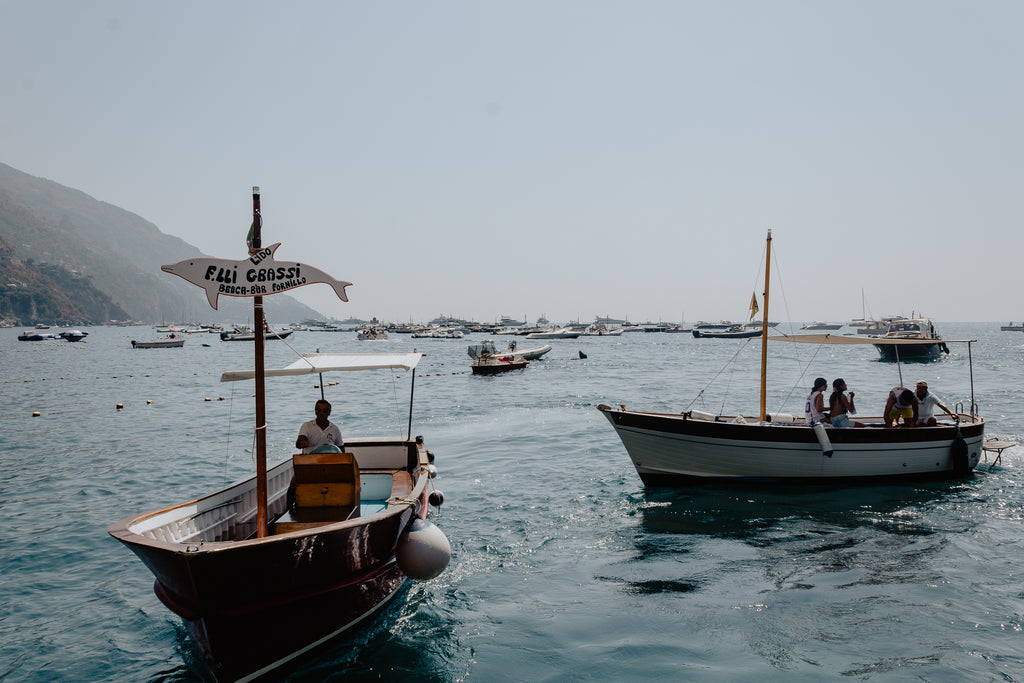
564	566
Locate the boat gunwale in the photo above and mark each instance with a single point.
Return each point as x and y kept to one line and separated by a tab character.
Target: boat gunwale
782	432
124	532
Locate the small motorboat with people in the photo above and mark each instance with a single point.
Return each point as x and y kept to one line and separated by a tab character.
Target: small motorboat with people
600	329
371	334
930	346
487	360
264	571
693	446
73	335
532	353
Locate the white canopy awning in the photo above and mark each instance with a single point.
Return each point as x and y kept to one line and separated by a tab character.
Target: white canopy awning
315	363
842	339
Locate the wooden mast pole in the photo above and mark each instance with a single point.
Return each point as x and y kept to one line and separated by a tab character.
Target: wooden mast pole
764	330
261	407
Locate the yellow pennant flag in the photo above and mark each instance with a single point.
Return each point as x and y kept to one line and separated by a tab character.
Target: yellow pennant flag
753	305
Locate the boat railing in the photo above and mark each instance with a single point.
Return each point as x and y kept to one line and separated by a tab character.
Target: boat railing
229	514
278	481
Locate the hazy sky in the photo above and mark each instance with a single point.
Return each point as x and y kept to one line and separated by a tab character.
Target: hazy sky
568	158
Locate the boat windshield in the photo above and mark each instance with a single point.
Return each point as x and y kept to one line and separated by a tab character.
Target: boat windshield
904	327
477	350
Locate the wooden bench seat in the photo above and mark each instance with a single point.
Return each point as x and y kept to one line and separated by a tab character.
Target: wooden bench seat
326	480
319	480
297	519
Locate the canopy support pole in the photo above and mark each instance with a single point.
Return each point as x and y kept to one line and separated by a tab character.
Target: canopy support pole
412	392
764	330
970	363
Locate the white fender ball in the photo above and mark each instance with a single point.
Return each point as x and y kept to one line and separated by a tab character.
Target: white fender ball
423	551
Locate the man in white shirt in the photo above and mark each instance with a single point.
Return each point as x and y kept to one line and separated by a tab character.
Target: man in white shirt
320	430
928	403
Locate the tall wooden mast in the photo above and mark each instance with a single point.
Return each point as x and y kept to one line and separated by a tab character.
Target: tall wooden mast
261	407
764	329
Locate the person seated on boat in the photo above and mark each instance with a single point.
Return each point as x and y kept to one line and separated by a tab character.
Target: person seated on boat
927	403
319	430
901	403
814	411
841	406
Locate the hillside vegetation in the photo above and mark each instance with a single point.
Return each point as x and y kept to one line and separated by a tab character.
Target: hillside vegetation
69	258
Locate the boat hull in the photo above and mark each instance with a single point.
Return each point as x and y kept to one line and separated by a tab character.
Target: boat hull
560	334
534	353
170	344
911	352
714	334
675	449
226	642
494	368
253	604
249	336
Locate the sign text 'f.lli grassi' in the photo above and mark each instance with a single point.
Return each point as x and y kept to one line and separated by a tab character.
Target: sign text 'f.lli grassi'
258	275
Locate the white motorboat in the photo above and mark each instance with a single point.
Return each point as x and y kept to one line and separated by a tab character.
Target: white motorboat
599	329
73	335
820	325
488	347
439	333
487	360
554	333
920	329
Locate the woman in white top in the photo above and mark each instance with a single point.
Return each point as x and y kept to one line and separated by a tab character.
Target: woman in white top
814	411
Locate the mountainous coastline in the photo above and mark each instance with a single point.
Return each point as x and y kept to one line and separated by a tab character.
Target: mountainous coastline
68	258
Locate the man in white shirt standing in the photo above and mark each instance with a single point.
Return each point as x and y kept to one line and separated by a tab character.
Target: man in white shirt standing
928	403
319	431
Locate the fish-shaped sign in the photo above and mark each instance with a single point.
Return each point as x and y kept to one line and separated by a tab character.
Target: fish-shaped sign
258	275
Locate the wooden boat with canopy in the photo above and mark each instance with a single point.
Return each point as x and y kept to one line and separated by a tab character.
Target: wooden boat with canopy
693	446
267	569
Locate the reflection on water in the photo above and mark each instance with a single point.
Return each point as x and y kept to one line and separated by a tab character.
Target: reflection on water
748	512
